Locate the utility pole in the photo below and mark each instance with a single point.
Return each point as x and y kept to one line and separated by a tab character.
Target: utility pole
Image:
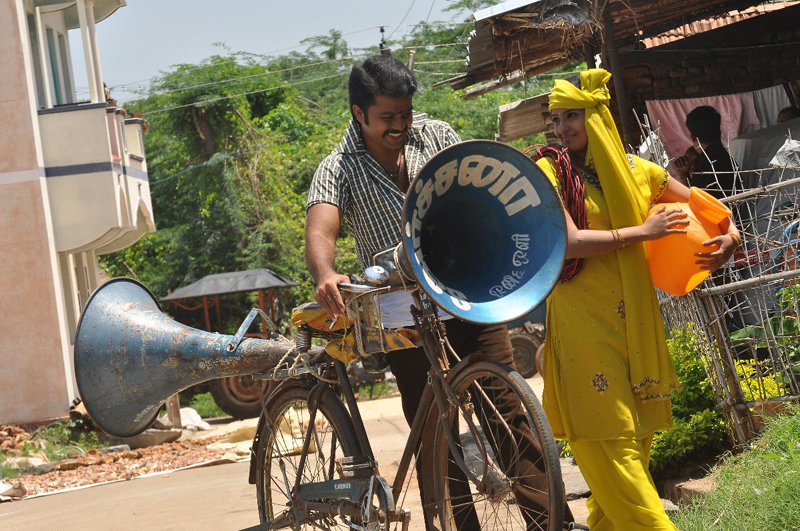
384	49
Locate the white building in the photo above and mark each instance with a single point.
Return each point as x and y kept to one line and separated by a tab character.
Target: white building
73	185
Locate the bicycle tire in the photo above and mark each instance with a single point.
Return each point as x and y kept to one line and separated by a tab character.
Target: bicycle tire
286	411
508	498
524	347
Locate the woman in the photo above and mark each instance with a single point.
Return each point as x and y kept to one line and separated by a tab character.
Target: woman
607	371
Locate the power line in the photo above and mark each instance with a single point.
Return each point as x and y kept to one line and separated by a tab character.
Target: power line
440	62
404	19
251	76
212	100
430	10
200	67
299	67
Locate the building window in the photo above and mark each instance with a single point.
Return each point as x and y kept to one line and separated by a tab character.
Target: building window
63	50
37	62
51	49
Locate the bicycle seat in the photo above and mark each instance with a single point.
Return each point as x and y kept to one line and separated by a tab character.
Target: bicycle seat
312	315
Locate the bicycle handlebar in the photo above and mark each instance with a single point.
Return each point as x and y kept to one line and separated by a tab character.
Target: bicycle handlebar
357	287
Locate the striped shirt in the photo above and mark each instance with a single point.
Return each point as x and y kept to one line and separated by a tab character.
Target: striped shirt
370	202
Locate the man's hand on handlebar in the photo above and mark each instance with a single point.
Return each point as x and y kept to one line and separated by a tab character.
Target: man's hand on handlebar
328	296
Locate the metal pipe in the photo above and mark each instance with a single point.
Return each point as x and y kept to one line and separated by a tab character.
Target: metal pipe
350	399
750	282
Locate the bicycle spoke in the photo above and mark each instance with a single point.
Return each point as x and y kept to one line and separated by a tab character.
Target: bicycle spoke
281	451
515	491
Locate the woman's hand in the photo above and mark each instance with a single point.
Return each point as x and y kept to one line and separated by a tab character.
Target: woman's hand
664	222
716	259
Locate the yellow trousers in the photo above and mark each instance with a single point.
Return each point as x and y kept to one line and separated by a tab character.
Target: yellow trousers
624	497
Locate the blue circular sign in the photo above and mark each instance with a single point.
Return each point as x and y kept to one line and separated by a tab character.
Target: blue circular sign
484	232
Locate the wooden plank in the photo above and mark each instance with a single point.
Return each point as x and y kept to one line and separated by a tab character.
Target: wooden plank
205	312
523	118
610	56
219	313
264	329
174	411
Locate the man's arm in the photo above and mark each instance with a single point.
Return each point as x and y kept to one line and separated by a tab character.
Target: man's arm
684	166
323	221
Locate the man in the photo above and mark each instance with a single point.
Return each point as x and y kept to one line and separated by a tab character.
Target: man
363	183
706	164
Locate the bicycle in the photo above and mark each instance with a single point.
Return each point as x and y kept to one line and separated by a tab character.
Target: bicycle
479	217
483	477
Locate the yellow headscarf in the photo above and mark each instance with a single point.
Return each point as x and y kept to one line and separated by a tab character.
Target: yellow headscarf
651	371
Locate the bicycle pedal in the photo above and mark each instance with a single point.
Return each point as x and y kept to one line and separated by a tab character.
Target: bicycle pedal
354	467
403	517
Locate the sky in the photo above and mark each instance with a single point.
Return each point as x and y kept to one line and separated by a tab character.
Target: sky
148	36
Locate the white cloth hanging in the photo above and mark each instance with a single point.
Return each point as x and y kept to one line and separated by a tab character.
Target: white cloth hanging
768	103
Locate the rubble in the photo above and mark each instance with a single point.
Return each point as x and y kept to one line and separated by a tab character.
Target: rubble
12	438
150	452
98	467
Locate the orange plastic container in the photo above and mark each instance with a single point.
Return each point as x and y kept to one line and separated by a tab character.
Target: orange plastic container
672	258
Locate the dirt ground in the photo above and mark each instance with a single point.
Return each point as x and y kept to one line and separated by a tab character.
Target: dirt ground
212	498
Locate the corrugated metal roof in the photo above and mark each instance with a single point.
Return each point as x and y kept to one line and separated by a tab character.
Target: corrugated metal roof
226	283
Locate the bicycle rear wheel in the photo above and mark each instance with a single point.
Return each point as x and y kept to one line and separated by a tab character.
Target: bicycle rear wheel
520	485
281	443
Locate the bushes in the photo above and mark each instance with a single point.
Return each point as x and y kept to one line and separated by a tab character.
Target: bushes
701	436
699	432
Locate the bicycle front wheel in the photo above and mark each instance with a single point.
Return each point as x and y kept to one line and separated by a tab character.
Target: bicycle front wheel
280	447
519	483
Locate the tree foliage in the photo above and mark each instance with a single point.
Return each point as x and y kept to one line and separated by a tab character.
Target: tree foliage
234	141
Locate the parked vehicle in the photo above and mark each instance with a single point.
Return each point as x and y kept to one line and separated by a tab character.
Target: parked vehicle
527	340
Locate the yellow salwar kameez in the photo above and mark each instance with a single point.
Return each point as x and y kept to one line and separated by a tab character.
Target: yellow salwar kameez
587	394
607	373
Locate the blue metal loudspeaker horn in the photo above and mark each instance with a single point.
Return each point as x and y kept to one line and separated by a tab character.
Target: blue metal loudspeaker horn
484	232
130	357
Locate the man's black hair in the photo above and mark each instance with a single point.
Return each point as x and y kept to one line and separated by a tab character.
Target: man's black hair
704	124
379	75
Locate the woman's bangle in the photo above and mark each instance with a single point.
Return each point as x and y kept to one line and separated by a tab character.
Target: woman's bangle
622	240
619	241
737	240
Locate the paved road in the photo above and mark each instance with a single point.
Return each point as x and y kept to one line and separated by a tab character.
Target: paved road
216	498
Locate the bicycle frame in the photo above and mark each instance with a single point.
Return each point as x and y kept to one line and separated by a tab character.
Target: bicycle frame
352	492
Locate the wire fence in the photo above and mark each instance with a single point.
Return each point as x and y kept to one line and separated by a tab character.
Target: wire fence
745	315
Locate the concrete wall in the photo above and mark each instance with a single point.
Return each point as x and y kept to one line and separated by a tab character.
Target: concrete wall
34	353
33	380
63	198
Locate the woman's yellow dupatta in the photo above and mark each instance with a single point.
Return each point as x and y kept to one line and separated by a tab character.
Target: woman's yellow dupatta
651	371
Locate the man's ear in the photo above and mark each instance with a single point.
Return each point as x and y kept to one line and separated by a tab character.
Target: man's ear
359	114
